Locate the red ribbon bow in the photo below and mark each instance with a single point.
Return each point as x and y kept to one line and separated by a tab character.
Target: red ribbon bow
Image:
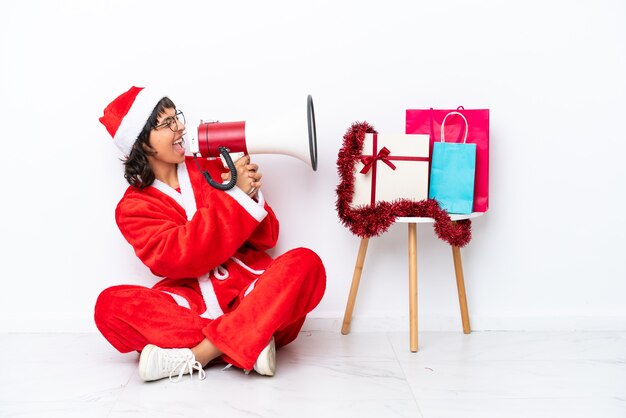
369	161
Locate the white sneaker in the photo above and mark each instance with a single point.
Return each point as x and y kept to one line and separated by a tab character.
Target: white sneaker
266	362
157	363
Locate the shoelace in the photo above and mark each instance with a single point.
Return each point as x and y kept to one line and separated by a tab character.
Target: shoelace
188	365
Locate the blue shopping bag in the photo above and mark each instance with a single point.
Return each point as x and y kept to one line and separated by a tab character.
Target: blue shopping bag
452	172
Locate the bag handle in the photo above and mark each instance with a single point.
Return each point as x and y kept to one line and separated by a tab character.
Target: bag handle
443	123
432	122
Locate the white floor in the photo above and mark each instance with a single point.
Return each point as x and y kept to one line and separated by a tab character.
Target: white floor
325	374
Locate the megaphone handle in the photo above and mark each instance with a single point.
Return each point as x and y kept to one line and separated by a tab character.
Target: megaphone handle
231	168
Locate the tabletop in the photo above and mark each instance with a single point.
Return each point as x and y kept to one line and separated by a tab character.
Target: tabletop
423	220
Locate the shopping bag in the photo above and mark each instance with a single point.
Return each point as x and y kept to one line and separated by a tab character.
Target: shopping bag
452	172
428	121
392	167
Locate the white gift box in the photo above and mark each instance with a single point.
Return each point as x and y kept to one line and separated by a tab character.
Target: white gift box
392	167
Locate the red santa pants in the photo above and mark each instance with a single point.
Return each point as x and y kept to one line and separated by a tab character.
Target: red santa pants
130	317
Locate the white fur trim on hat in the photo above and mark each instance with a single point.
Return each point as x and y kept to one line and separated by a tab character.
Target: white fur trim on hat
136	118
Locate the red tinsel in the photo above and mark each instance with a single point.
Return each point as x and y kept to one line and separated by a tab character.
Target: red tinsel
367	221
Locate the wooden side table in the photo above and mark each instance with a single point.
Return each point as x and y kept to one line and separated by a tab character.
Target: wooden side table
458	269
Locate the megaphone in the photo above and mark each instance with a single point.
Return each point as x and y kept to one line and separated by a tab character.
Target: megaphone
285	137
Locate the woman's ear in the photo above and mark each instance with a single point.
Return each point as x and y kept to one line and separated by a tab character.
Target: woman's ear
147	148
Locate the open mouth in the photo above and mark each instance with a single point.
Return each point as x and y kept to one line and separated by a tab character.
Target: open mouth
178	145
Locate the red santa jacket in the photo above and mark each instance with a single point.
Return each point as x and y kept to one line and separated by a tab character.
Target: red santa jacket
202	238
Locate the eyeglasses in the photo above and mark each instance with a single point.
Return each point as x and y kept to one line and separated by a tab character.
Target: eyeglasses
172	121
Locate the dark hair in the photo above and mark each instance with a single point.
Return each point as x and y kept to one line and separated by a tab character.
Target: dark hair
137	171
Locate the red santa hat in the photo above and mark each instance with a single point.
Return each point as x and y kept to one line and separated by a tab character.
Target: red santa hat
125	117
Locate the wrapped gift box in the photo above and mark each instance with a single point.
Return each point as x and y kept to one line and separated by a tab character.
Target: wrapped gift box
392	167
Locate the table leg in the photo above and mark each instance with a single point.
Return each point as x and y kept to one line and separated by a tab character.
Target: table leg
460	284
413	285
356	278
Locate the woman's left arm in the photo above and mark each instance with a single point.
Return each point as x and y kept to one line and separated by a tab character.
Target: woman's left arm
265	235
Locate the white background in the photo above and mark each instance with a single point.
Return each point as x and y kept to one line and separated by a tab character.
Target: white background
549	254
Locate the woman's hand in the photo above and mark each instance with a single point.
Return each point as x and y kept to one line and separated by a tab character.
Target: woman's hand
248	177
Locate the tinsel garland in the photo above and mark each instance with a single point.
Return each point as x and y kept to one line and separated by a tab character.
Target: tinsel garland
368	221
